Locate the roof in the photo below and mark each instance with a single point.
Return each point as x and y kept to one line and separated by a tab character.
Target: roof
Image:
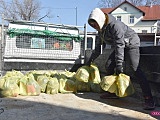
107	10
149	12
112	9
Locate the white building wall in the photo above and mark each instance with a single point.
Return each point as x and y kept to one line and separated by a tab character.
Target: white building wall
148	26
138	25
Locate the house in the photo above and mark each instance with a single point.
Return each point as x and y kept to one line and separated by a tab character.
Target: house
143	19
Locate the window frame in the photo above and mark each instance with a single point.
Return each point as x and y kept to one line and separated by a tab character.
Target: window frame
125	8
120	19
131	20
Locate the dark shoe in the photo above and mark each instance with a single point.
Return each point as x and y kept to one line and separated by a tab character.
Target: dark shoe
109	96
149	104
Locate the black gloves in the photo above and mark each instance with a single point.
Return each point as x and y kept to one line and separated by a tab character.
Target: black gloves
118	69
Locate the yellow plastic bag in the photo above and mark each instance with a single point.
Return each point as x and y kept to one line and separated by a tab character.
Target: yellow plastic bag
82	74
28	85
82	86
88	73
94	74
2	81
9	88
125	87
52	86
108	83
88	78
68	74
120	85
67	85
42	80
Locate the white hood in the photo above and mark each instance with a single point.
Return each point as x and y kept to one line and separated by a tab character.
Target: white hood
98	16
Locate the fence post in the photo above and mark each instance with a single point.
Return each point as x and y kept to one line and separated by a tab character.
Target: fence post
2	45
85	43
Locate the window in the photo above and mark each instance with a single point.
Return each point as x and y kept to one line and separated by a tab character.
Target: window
89	42
131	19
144	31
119	18
159	42
125	8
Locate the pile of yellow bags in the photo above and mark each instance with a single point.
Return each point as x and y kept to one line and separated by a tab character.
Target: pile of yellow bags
15	83
88	78
85	79
120	85
9	83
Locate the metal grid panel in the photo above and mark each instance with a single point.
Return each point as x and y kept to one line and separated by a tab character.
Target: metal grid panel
41	47
50	43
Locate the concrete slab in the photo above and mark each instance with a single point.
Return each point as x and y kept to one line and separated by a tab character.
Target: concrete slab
80	106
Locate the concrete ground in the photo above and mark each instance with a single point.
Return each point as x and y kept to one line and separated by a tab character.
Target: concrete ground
80	106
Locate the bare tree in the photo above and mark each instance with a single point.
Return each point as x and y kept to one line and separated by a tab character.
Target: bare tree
109	3
105	3
21	9
136	2
152	2
114	3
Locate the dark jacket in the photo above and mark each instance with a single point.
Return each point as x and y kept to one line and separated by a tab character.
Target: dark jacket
117	34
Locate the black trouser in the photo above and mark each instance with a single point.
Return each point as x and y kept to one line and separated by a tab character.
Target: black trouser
133	56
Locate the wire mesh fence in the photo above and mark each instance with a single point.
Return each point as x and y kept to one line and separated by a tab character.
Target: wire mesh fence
26	49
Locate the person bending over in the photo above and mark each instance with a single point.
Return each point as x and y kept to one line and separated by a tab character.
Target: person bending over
123	39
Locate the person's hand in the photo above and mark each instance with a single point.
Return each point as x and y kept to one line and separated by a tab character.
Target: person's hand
118	70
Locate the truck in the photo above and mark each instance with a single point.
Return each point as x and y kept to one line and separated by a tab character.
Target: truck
29	45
